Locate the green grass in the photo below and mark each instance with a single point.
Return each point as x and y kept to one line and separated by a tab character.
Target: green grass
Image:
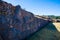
49	32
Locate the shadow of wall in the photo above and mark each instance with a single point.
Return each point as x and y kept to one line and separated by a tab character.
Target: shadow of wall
49	32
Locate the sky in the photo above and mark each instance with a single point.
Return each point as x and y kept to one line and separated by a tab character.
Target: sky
39	7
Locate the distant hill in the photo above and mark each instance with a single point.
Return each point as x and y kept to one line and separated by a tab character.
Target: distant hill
54	17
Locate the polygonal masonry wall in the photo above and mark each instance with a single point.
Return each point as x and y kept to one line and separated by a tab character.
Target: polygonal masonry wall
17	23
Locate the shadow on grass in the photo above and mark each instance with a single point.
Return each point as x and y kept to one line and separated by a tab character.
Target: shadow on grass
49	32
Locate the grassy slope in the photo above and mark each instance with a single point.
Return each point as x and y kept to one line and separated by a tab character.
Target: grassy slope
49	32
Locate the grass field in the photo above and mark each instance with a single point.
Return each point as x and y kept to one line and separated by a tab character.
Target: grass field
49	32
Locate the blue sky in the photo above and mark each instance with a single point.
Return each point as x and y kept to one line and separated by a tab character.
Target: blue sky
39	7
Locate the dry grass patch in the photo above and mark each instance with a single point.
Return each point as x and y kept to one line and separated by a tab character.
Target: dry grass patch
57	25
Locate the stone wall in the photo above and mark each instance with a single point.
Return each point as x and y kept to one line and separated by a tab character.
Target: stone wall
17	23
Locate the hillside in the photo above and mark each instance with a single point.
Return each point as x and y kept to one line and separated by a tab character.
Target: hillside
49	32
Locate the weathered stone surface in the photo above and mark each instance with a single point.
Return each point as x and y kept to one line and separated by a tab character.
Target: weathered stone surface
1	38
17	23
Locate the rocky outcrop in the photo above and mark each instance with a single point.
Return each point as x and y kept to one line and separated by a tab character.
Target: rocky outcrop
17	23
